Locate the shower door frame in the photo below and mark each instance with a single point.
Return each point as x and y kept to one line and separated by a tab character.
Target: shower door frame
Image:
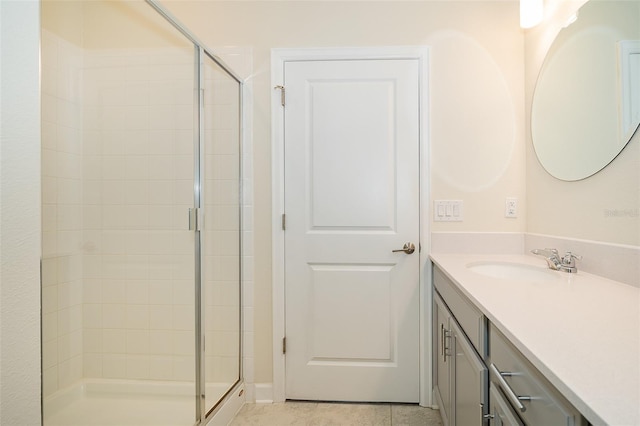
203	414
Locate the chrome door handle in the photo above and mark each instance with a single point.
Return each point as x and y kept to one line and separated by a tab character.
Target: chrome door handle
408	248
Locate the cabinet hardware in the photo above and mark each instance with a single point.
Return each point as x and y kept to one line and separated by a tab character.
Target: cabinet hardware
442	342
484	416
515	399
444	335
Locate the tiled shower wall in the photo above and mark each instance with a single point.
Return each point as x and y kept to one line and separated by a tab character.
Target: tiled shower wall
117	184
138	263
61	213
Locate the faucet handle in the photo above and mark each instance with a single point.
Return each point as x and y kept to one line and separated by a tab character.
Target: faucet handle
546	252
569	259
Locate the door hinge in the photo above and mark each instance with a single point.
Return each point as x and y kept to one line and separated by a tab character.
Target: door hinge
284	222
284	345
282	94
195	219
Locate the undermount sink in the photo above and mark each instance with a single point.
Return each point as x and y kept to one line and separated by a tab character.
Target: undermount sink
512	271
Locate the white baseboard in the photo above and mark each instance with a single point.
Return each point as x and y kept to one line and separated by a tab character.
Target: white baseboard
250	393
264	393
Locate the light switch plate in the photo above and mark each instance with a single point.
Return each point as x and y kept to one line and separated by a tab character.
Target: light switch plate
447	210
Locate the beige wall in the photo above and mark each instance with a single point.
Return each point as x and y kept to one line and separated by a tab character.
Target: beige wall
477	128
578	209
99	24
63	18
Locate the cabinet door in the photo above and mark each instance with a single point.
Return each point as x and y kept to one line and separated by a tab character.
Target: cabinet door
442	357
501	412
469	382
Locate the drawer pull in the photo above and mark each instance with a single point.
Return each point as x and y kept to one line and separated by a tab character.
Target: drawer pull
515	399
444	335
442	350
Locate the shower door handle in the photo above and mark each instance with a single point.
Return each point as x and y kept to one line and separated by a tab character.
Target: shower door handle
195	219
408	248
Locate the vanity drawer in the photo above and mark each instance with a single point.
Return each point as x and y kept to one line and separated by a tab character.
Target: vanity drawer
515	376
500	411
468	316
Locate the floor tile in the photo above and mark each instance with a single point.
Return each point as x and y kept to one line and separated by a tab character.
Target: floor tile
335	414
351	414
409	415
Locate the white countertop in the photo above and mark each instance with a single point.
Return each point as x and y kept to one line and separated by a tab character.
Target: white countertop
581	331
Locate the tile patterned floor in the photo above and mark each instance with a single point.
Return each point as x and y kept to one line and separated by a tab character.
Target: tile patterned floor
335	414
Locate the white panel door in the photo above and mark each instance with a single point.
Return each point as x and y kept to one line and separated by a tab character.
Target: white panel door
351	197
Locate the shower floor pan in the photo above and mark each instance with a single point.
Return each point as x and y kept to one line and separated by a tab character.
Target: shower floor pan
125	403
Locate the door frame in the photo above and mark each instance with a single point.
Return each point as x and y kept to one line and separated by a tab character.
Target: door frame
278	59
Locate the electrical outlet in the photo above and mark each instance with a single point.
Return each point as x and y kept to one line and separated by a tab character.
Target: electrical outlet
511	207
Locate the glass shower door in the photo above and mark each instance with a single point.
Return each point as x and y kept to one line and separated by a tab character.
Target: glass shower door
119	260
222	236
140	309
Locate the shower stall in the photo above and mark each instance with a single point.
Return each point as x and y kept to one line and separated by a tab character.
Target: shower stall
141	218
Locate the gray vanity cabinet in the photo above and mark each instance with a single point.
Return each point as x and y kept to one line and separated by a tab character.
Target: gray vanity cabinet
470	352
461	377
442	374
469	380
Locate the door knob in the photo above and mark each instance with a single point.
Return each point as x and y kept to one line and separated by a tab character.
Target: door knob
408	248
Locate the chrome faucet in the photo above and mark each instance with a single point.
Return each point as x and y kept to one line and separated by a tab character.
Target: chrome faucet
566	263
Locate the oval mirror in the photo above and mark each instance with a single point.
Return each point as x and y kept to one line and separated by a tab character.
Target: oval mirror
586	104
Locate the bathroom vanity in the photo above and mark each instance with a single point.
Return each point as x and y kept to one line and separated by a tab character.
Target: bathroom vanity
517	344
459	342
